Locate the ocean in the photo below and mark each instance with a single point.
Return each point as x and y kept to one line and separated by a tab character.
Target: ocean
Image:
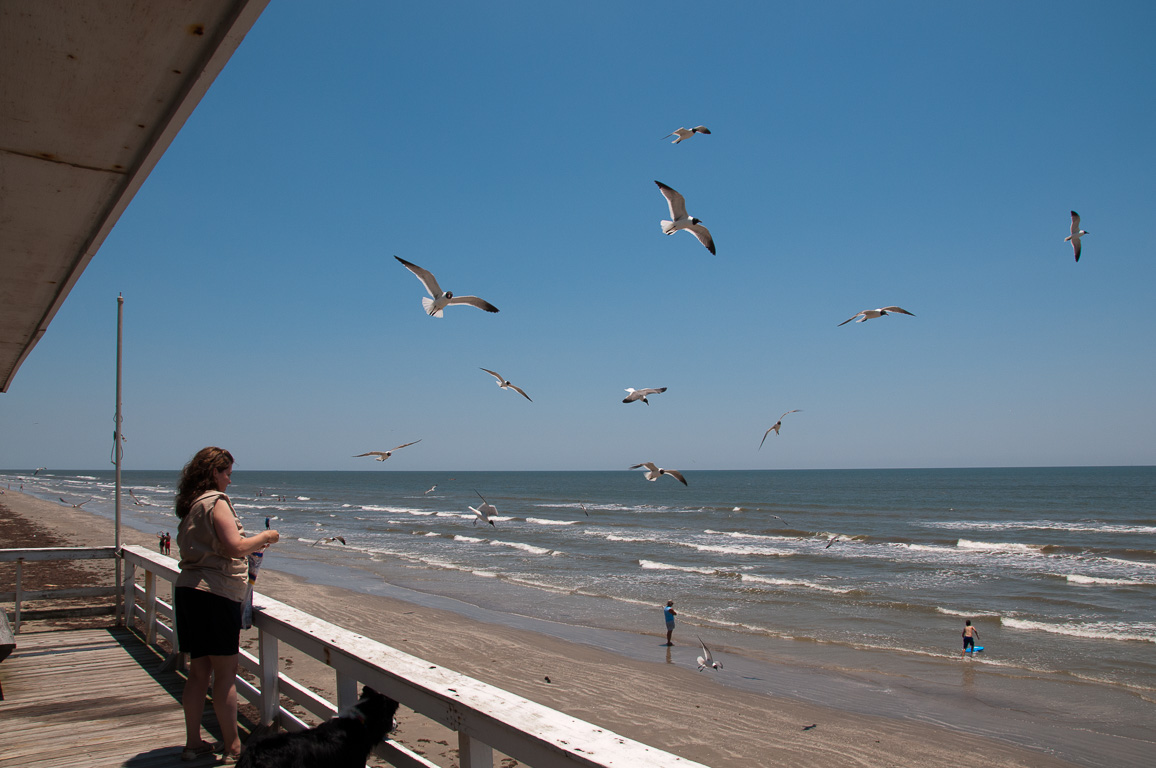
844	587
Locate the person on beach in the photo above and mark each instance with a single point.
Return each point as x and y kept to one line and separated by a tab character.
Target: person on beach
207	596
970	633
669	613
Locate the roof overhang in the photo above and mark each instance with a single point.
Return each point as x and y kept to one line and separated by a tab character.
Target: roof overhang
92	93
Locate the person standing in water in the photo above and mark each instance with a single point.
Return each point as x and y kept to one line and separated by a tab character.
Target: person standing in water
970	633
669	613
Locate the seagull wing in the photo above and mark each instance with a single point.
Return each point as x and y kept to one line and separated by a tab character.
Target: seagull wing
849	319
794	410
703	235
473	301
372	453
520	391
774	428
676	475
495	374
1075	224
900	310
1077	246
403	445
427	279
673	199
701	129
648	464
649	391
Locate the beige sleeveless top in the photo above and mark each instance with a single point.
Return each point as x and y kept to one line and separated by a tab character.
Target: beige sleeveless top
203	565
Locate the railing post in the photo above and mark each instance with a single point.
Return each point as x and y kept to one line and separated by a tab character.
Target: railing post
129	589
347	693
150	608
473	753
19	596
270	692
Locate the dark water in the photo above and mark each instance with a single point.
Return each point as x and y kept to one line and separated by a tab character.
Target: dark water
1056	567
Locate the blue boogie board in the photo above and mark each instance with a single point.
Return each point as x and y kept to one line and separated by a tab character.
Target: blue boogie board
976	649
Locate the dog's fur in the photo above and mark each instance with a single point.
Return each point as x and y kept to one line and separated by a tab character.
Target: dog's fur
343	742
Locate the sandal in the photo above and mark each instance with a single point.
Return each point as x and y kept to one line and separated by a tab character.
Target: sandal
204	748
230	758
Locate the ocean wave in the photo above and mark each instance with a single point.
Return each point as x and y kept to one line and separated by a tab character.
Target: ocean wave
965	614
1142	632
750	577
519	545
1076	578
737	550
753	536
998	546
652	565
544	521
1083	526
468	539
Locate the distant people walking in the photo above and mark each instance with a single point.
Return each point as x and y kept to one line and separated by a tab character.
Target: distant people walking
970	633
208	593
669	613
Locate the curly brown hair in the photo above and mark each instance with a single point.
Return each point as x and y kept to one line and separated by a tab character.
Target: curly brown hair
198	476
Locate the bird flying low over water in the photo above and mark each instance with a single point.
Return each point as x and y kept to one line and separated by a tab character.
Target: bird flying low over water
640	394
653	472
681	220
442	299
331	538
484	511
775	427
38	470
75	506
686	133
383	455
505	384
1077	233
706	660
136	500
871	314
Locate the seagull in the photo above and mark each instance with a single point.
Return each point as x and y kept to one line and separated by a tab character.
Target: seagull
37	470
775	427
686	133
1077	233
654	472
484	510
441	299
706	660
832	541
137	501
432	488
640	394
584	508
331	538
383	455
76	506
504	384
871	314
681	221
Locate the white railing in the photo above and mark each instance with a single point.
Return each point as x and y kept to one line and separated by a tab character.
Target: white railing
43	554
484	717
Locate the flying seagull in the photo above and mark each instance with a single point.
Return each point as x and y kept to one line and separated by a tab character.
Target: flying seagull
584	508
331	538
706	660
686	133
37	470
383	455
484	510
653	472
832	541
681	220
1077	233
137	501
775	427
432	488
871	314
640	394
76	506
441	299
504	384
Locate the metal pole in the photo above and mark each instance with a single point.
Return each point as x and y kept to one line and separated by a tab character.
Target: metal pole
117	452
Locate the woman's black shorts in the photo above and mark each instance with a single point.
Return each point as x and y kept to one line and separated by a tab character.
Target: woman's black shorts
207	624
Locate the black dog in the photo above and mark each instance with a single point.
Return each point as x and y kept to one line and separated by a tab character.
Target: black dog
343	742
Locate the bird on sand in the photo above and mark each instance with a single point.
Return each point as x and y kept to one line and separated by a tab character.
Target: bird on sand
871	314
706	660
383	455
331	538
484	510
442	299
775	427
75	506
633	394
1077	233
681	220
654	472
686	133
505	384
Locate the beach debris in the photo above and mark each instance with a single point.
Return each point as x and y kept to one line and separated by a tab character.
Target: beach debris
441	299
505	384
681	220
383	455
775	428
1077	233
706	660
871	314
655	472
633	394
484	511
809	727
327	540
686	133
75	506
547	678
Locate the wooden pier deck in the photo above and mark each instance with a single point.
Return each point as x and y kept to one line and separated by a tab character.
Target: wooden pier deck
90	698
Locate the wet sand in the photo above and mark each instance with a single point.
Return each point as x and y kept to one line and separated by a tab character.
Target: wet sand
668	706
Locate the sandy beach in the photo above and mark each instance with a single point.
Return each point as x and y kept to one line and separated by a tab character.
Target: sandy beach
665	705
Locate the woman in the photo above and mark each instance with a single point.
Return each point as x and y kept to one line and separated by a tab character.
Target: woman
208	594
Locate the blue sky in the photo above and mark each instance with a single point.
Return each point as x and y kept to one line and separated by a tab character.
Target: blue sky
924	155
